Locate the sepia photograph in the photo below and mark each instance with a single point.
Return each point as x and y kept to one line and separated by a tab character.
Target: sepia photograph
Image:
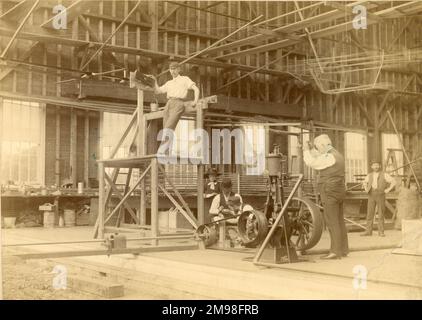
191	152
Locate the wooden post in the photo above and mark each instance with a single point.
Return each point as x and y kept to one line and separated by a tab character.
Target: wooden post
73	141
86	149
200	177
376	148
57	163
101	199
140	152
300	159
154	201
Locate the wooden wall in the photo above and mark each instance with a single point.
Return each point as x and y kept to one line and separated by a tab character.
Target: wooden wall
187	31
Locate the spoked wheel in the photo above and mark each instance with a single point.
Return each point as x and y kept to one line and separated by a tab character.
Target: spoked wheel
306	223
253	227
208	234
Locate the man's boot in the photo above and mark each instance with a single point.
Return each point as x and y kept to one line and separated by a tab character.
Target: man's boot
367	233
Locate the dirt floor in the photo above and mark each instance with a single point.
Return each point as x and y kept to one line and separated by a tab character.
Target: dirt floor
27	281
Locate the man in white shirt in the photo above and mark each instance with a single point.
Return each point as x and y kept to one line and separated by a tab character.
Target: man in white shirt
377	184
177	91
221	201
331	186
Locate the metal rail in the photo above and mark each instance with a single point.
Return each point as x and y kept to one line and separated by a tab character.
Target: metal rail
185	236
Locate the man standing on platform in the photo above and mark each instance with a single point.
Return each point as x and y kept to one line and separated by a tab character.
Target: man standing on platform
377	184
177	92
331	185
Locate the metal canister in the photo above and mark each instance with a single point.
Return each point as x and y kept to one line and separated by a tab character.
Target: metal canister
118	241
273	164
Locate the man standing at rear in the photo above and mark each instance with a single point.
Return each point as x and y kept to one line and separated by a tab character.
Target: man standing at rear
377	184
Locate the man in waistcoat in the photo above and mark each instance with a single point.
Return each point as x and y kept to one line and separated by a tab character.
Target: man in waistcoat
220	203
377	184
331	185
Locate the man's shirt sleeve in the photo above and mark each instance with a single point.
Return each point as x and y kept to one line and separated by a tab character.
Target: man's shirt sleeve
188	82
320	161
215	204
163	88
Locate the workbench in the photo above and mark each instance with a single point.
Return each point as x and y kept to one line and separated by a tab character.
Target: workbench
13	204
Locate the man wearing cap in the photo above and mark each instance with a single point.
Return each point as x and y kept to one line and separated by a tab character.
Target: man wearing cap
377	184
177	91
331	185
212	186
221	201
211	189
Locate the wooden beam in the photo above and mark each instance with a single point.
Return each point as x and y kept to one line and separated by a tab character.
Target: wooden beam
17	12
86	149
323	32
39	34
363	110
117	92
26	55
384	102
289	28
73	148
169	14
93	36
120	196
385	116
99	228
18	29
111	35
276	34
57	162
72	12
349	10
418	116
127	195
72	103
399	34
154	200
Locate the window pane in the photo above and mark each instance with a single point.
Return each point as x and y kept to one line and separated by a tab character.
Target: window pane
355	156
21	145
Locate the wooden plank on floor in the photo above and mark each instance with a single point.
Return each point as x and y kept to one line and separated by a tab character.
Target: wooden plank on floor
99	287
100	252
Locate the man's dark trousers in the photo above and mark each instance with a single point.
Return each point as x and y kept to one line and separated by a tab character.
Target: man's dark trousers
332	196
376	198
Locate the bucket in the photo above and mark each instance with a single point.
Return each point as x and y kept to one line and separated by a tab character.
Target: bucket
9	222
69	218
49	219
273	164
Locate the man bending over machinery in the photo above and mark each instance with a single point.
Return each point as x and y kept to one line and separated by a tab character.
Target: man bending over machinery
220	203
